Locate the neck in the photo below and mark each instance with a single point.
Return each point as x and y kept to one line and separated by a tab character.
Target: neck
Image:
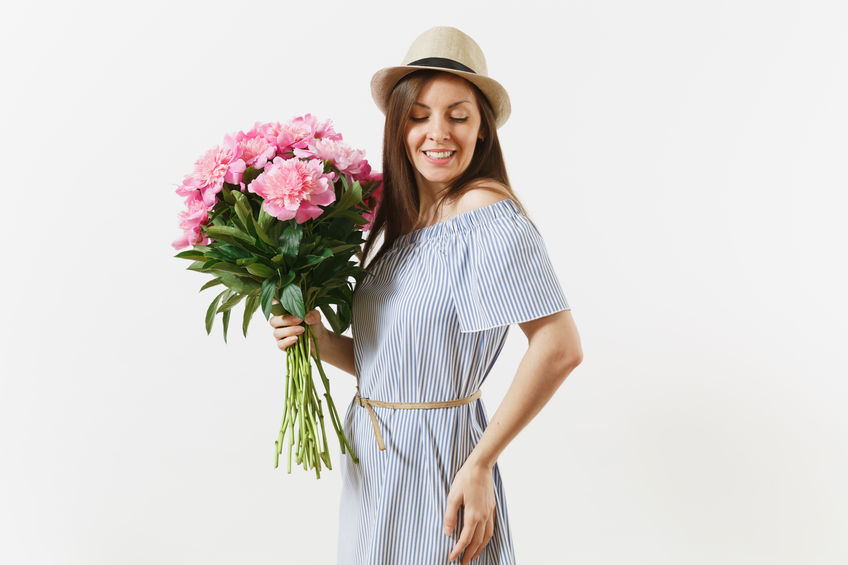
428	192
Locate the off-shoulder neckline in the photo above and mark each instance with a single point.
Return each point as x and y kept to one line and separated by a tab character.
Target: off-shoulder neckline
460	222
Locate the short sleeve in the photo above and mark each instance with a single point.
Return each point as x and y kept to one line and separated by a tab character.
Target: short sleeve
500	274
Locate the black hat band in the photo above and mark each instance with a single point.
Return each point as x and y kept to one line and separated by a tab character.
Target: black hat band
441	62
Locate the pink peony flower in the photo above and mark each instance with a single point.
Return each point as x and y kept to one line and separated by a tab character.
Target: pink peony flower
297	133
373	201
324	130
293	188
218	165
194	216
346	159
256	148
270	131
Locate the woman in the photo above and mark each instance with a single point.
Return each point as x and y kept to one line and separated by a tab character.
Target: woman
460	262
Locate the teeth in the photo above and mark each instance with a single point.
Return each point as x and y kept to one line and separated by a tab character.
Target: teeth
439	154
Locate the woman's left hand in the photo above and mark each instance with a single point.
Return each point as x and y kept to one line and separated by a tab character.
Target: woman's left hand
474	488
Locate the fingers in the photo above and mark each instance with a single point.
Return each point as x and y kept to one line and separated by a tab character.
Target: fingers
451	510
487	536
312	317
469	530
477	531
286	336
287	328
476	542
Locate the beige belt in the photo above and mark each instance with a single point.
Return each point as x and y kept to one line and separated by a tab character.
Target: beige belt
368	403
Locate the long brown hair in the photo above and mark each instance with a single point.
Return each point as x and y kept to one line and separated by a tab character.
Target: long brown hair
399	211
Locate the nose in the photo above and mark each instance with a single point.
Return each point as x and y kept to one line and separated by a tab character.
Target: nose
439	129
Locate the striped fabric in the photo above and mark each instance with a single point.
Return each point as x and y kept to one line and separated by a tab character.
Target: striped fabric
428	325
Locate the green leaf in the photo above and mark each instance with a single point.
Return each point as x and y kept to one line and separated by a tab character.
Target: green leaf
209	284
347	247
243	211
290	240
344	314
266	295
351	195
227	194
223	267
231	252
258	229
250	173
331	317
209	263
230	302
278	259
235	221
355	216
238	284
250	306
190	254
225	319
260	270
210	312
229	233
261	233
277	309
315	259
291	298
265	219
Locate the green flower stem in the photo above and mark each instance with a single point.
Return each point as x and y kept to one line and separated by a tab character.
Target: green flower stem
330	404
291	442
319	411
303	412
313	447
302	408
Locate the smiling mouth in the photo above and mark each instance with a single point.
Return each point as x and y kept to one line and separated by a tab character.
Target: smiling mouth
439	154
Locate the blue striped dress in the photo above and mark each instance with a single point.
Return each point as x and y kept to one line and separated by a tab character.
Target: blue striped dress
428	324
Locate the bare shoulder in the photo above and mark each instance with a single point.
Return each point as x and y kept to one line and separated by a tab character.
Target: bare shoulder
483	192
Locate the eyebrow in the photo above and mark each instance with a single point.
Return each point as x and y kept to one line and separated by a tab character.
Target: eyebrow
449	107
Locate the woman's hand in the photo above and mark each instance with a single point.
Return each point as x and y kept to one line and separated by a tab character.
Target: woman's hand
287	328
474	488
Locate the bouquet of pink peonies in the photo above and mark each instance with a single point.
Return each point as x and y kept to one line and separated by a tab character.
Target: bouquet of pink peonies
275	215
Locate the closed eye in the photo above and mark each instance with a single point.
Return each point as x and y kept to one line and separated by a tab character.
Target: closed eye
460	120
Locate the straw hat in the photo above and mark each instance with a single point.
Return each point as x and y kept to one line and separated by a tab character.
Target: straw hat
445	49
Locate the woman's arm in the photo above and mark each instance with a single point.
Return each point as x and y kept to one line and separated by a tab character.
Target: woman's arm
337	350
553	352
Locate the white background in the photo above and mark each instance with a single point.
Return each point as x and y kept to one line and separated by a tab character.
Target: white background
685	162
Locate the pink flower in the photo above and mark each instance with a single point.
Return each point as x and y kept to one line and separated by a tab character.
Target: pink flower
214	168
372	201
298	132
324	130
256	148
270	131
346	159
293	188
194	216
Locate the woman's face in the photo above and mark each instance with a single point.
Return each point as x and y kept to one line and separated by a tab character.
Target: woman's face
442	131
